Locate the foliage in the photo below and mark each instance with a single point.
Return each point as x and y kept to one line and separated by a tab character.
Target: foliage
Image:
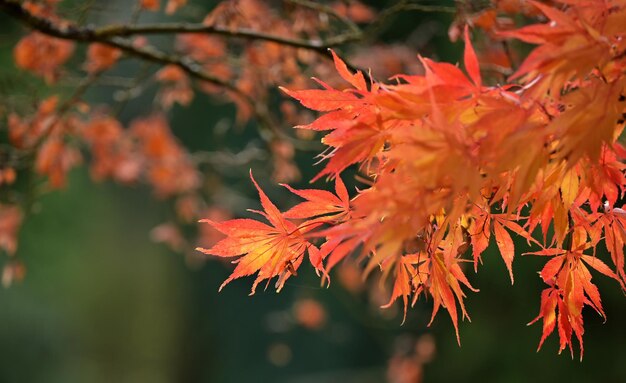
450	161
447	158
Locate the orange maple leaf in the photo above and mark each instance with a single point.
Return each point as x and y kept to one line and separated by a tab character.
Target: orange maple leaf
150	5
271	250
321	203
445	288
42	54
173	5
101	57
571	44
571	289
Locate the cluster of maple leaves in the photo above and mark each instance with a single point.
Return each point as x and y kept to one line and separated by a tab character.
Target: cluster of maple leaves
447	158
448	162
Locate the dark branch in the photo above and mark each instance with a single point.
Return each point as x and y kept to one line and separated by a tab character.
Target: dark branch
165	28
74	33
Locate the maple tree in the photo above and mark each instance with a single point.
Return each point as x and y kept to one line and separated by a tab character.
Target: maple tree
447	158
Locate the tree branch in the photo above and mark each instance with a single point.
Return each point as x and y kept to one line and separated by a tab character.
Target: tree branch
148	53
165	28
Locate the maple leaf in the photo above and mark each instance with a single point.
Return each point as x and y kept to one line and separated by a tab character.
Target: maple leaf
471	62
55	159
357	80
547	312
176	87
150	5
325	100
410	276
613	223
445	287
355	10
480	234
42	55
358	143
505	245
103	135
169	168
606	178
566	294
440	275
338	246
338	119
101	57
447	81
593	105
173	5
571	45
569	188
571	289
27	132
321	203
271	250
10	222
357	133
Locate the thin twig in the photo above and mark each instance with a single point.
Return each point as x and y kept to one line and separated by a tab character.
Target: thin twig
428	8
112	81
66	106
135	87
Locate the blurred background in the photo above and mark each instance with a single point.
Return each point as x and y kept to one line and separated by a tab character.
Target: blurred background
102	302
